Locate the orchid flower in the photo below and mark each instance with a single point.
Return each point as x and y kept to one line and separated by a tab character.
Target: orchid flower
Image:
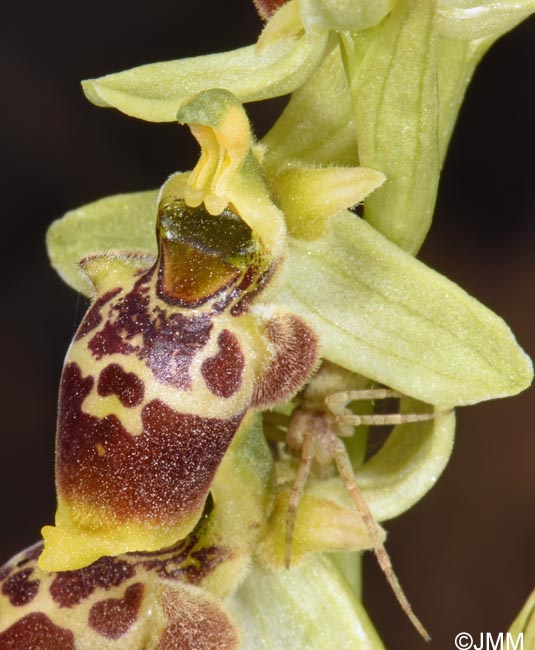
276	281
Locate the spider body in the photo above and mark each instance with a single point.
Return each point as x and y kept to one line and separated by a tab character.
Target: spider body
315	431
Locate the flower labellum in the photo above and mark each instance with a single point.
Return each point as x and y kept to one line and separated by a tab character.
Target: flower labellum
169	359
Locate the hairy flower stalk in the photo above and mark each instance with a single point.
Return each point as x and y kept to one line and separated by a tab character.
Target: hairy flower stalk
264	309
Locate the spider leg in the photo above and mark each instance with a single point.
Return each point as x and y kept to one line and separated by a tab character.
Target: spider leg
379	419
307	456
345	469
336	402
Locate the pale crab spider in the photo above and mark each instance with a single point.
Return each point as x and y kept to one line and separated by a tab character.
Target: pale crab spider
314	434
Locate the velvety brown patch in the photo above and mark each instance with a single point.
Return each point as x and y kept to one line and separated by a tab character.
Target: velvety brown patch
19	588
296	354
167	343
93	317
113	617
170	345
72	587
113	380
109	341
196	623
223	372
159	476
23	558
36	632
126	318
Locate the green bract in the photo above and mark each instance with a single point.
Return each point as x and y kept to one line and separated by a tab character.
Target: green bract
314	129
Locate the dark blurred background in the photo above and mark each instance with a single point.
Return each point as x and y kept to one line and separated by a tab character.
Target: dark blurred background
466	553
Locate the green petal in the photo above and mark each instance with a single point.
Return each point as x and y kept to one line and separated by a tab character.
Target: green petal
156	91
395	103
383	314
308	606
124	222
316	128
472	19
308	196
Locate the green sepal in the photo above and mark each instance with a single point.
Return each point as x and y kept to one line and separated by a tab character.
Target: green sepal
395	104
155	92
125	222
308	606
383	314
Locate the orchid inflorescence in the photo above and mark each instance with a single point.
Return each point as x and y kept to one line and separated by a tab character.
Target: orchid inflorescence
212	470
